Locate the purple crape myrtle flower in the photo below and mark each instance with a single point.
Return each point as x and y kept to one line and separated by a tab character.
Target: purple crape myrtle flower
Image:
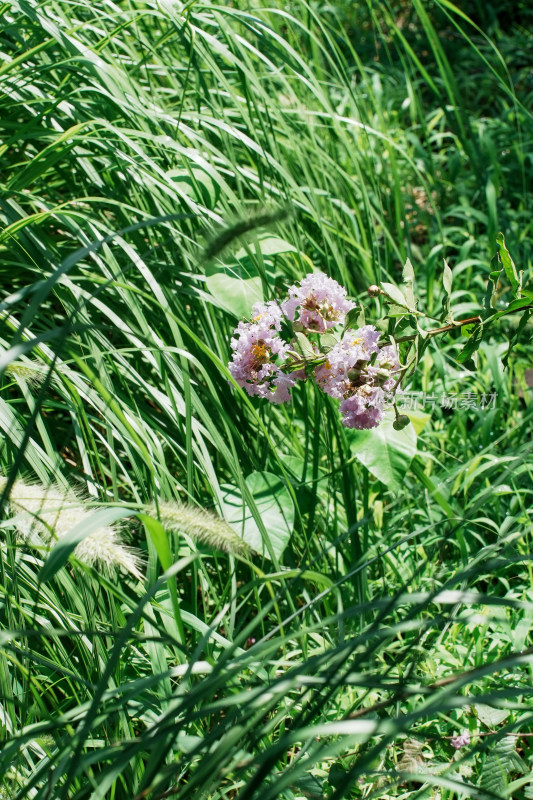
382	372
258	354
364	408
359	373
463	740
317	304
268	315
354	349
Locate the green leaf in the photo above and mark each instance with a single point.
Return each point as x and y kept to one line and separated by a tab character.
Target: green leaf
197	184
395	294
385	452
328	342
337	775
472	345
492	285
302	345
490	716
235	287
516	336
408	275
513	277
268	245
158	535
419	419
308	786
447	280
159	539
355	318
395	310
502	760
274	517
517	305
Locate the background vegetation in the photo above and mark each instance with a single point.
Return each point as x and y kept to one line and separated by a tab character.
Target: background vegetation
147	150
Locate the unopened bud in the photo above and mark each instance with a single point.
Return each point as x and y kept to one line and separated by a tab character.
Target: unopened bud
381	377
401	422
354	374
374	291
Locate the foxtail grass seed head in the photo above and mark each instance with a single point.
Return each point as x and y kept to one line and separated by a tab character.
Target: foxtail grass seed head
202	526
33	372
40	513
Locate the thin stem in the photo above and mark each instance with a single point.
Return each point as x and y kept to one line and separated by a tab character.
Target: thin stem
443	329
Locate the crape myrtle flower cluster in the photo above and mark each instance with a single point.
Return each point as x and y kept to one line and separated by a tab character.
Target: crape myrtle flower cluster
463	740
267	361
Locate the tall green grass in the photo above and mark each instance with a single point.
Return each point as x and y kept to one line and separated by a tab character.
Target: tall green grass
137	138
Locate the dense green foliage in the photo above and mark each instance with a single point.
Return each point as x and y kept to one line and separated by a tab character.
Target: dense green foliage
163	165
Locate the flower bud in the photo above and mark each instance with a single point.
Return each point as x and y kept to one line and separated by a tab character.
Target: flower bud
374	291
381	377
401	422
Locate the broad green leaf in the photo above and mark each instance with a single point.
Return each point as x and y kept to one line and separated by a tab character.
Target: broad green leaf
419	419
518	305
501	761
395	294
395	310
197	184
303	346
268	245
274	507
235	287
328	341
472	345
386	453
408	273
355	318
490	716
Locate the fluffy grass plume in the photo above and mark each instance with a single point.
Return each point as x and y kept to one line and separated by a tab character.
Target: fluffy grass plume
52	510
200	525
33	372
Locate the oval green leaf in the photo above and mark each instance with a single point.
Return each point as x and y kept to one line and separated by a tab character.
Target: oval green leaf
386	453
268	527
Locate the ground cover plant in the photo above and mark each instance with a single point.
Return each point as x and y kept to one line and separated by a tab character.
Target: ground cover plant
205	594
